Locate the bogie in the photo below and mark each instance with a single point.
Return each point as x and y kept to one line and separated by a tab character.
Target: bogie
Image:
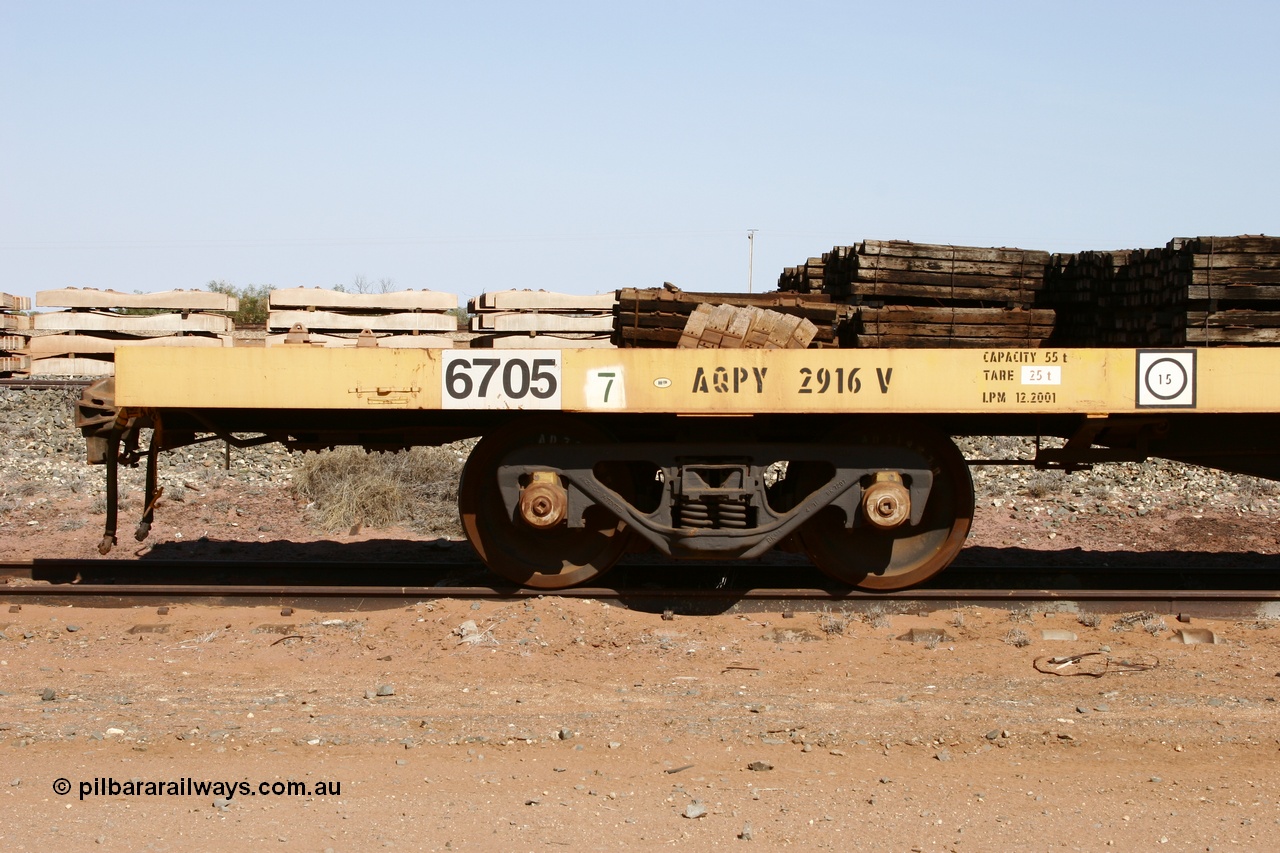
880	509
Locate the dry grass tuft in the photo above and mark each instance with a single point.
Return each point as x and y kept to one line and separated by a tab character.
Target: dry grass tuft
833	623
417	488
1141	619
1017	637
1154	626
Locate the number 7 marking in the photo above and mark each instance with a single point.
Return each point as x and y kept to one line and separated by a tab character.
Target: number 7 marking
609	385
492	364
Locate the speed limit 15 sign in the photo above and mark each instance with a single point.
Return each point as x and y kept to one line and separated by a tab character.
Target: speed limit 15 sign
1166	379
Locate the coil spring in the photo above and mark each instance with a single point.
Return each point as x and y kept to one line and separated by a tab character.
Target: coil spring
714	514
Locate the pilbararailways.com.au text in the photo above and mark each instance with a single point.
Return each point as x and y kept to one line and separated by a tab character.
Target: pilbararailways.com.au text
106	786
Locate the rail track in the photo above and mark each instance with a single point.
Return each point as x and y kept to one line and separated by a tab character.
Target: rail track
44	384
1247	592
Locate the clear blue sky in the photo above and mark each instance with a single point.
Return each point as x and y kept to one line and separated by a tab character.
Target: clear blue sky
589	146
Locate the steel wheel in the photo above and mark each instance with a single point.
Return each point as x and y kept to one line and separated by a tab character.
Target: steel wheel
551	558
874	559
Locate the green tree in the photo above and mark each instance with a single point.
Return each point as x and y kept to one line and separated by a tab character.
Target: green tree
461	316
254	299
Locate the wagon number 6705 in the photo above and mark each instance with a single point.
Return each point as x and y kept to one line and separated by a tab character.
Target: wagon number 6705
516	379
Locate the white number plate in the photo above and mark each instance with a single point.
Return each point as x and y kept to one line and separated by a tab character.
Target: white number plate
1041	375
506	379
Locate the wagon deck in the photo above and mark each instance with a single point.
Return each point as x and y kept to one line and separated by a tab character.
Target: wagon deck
831	381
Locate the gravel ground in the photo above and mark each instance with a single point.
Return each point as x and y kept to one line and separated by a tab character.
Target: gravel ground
559	723
453	725
49	486
43	455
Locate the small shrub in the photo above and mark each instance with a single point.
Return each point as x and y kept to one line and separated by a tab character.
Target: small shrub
876	617
1127	623
418	487
1017	638
1042	484
1021	616
833	623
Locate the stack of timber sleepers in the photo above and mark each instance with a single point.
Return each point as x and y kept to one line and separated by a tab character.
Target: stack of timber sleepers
1080	288
538	319
658	317
805	278
1194	291
897	272
1226	290
917	326
331	318
82	340
1138	306
11	358
931	295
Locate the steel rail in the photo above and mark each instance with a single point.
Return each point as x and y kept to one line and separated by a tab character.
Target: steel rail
45	384
678	599
1257	564
780	593
1257	576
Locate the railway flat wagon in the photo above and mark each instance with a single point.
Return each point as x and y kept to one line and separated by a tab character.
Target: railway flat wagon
701	454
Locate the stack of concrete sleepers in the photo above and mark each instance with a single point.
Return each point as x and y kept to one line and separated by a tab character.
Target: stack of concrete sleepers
522	319
82	340
332	318
11	358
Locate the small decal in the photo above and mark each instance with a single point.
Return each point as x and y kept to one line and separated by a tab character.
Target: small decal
1166	379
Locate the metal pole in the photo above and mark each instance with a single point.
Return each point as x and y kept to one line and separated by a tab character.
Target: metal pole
751	255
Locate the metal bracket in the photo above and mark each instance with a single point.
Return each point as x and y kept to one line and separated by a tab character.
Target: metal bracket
1126	440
